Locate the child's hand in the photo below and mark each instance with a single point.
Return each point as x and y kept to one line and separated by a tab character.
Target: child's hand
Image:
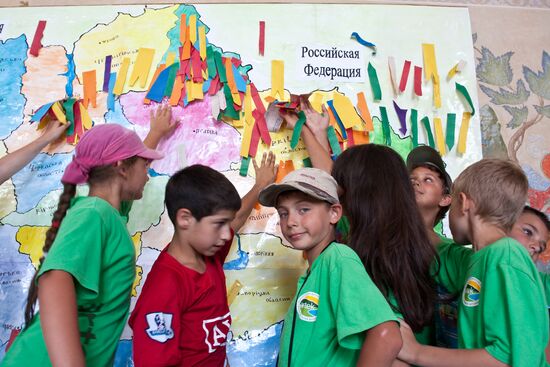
53	131
410	348
162	123
290	117
317	122
267	171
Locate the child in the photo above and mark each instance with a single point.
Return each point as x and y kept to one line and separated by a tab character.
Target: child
386	229
85	277
13	162
532	231
181	317
338	316
501	320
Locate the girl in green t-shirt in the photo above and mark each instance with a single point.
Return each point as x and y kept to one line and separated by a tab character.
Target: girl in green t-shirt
86	273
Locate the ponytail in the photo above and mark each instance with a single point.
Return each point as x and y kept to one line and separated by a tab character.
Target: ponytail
69	191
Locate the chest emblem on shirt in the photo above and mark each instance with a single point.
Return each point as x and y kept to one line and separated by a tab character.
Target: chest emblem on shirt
471	292
307	306
216	331
160	326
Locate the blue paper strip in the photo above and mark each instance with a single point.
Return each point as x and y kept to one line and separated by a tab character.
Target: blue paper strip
41	112
111	95
338	120
361	40
239	81
156	93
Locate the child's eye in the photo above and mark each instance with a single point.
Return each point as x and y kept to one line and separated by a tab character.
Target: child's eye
527	232
428	179
303	210
283	215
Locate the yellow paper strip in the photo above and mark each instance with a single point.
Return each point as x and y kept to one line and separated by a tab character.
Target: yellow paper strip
121	76
170	58
231	81
463	132
58	112
193	29
197	90
247	136
176	91
202	42
365	113
316	101
142	66
437	92
345	110
430	71
248	106
85	117
439	138
233	291
278	79
189	88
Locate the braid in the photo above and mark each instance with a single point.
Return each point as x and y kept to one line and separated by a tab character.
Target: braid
69	191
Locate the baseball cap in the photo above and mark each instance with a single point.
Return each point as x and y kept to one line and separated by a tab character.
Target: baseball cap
426	155
311	181
102	145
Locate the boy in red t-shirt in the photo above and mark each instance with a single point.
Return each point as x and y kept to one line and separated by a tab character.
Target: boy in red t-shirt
181	317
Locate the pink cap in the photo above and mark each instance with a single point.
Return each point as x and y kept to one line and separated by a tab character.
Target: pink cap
102	145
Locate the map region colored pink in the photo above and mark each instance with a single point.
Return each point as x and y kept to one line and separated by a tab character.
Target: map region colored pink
202	138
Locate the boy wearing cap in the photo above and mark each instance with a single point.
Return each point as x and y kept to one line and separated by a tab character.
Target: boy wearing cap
182	317
338	316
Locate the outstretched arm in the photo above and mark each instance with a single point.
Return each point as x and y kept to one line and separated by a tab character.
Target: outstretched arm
162	125
381	345
265	175
428	356
13	162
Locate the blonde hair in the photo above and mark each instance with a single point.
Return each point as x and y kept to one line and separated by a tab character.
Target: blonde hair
497	187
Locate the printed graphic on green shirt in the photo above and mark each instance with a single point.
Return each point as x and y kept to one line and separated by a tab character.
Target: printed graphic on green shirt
472	290
307	306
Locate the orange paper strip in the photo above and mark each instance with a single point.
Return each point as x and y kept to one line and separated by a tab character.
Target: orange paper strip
90	88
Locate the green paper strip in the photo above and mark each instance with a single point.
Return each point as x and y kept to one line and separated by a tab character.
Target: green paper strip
426	122
374	83
211	62
230	108
450	139
68	106
245	162
385	126
307	162
220	66
462	90
414	127
297	129
333	141
171	80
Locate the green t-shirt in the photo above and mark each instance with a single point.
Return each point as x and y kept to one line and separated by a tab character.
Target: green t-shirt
335	304
94	246
501	307
545	277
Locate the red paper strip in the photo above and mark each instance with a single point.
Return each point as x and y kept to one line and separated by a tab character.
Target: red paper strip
196	65
404	76
262	126
254	140
78	129
215	86
262	38
37	40
257	99
351	141
418	80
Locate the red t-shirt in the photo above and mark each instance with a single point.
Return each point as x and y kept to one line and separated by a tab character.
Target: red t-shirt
181	317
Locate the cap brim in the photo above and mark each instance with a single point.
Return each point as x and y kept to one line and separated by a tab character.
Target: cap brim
150	154
268	196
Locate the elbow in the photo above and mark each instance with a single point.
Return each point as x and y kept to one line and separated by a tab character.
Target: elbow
390	337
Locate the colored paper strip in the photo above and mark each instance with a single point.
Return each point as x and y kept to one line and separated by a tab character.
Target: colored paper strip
68	107
254	141
87	122
171	79
361	41
261	124
37	39
450	132
364	110
160	68
142	65
245	162
439	138
231	82
90	91
360	137
239	80
385	126
426	122
341	126
462	90
177	90
463	135
297	131
285	167
107	73
183	28
247	135
261	40
278	79
404	76
418	80
41	112
402	115
333	141
58	112
202	42
307	162
393	74
414	127
192	29
156	92
345	110
121	76
111	95
374	83
351	141
436	91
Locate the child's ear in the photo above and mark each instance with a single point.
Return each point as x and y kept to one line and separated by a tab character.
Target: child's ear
184	218
122	168
335	213
466	204
445	201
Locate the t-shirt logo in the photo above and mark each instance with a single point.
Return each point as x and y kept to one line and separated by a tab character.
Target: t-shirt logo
307	306
216	331
160	326
470	294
